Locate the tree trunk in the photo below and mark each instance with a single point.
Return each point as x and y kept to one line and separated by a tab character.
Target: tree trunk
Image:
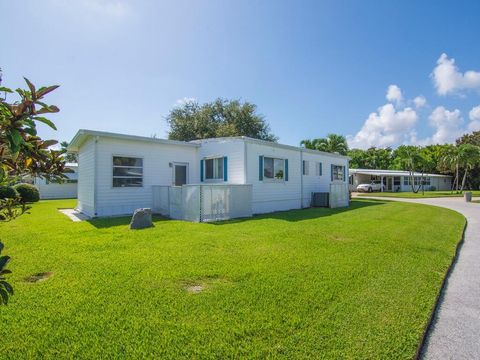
464	179
457	178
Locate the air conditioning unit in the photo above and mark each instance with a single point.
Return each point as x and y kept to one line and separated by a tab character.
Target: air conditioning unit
320	199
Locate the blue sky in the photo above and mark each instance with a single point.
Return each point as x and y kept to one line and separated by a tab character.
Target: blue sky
312	67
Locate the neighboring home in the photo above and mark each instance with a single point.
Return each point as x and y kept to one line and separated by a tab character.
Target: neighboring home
59	190
201	180
396	180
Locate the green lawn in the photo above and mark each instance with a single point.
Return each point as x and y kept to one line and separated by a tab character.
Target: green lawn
428	194
318	283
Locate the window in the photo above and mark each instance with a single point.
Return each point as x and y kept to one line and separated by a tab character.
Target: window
337	172
127	171
318	169
273	168
396	181
214	169
306	167
417	180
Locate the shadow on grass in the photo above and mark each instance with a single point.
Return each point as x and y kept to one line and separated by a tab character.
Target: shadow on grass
104	223
289	215
306	214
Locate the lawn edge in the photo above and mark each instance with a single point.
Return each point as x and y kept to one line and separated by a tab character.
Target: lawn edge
429	325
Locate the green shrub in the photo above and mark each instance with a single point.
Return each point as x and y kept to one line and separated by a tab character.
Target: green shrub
8	192
433	188
28	193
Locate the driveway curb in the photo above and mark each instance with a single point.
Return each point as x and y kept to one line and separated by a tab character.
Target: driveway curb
428	326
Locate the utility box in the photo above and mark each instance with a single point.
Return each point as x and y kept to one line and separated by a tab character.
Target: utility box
320	199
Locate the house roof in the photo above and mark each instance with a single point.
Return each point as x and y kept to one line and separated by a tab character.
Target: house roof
378	172
270	143
84	134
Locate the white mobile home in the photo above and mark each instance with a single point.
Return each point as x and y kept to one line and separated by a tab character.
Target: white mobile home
396	180
201	180
59	190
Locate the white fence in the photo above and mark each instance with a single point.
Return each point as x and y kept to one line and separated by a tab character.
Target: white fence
339	196
202	203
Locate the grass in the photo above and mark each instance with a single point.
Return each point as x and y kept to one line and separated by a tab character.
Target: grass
317	283
411	195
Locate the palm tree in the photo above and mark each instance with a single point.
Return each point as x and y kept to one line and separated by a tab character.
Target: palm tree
451	161
333	143
469	156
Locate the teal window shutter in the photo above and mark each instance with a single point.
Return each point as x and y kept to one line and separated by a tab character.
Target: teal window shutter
344	173
260	168
225	169
201	170
321	170
331	172
286	169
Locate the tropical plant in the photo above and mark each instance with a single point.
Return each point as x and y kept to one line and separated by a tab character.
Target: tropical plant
451	161
22	152
333	143
411	159
469	158
220	118
6	289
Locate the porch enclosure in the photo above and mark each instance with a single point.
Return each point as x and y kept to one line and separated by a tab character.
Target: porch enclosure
203	203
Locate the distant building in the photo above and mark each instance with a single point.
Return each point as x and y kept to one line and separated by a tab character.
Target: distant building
396	180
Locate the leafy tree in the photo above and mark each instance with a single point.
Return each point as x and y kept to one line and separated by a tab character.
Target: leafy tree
69	157
411	159
451	161
372	158
220	118
22	152
473	181
333	143
469	158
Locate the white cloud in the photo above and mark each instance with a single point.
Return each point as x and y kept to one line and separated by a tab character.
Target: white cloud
474	116
447	124
386	127
448	79
420	101
394	94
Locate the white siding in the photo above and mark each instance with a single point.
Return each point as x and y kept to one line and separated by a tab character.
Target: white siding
314	183
234	150
86	178
156	171
271	195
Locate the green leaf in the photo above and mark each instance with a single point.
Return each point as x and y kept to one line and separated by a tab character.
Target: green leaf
3	296
30	86
45	90
3	261
46	122
48	143
7	287
15	140
5	89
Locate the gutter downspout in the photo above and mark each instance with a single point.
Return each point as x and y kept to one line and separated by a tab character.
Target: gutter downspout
301	178
95	175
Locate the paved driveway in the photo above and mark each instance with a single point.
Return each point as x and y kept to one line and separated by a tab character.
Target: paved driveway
456	326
